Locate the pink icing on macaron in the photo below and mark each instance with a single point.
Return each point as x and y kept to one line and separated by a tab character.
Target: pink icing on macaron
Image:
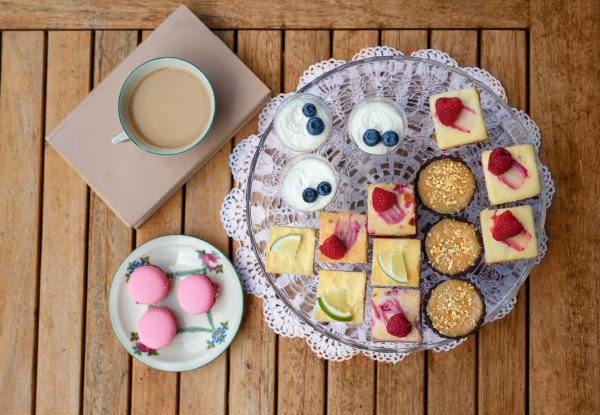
157	328
197	294
148	284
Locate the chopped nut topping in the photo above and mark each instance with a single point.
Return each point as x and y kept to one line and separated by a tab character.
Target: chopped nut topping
446	186
454	311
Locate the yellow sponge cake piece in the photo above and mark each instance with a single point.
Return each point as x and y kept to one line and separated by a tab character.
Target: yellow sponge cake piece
303	263
353	282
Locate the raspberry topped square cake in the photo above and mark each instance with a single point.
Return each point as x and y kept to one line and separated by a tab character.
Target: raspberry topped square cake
392	209
343	238
511	174
353	286
457	118
409	251
291	250
395	315
508	234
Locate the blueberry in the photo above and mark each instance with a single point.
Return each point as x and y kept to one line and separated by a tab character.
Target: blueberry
309	110
324	188
309	195
315	126
371	137
390	138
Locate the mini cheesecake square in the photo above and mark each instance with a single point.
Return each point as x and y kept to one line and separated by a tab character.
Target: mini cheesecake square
303	263
468	128
387	302
501	251
411	253
400	219
352	231
353	282
499	190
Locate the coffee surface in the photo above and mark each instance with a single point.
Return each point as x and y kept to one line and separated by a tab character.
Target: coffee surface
169	108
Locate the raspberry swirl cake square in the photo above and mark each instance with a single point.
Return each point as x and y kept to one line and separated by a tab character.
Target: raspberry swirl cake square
392	209
343	238
395	315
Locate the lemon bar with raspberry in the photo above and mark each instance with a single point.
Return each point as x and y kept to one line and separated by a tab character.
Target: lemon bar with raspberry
302	263
354	283
392	209
351	230
395	315
411	254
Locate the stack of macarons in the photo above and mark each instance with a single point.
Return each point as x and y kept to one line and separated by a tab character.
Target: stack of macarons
148	284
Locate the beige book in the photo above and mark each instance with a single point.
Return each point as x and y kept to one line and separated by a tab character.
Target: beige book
135	183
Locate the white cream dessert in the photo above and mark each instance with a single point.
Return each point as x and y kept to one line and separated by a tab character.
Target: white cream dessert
378	114
303	173
291	123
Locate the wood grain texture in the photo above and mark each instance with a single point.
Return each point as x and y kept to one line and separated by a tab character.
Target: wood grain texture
21	147
252	355
406	41
269	14
204	194
503	344
401	386
452	376
154	391
302	49
107	365
64	236
347	43
564	289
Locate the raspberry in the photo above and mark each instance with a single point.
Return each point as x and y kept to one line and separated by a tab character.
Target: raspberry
399	326
333	248
447	110
382	199
500	161
506	226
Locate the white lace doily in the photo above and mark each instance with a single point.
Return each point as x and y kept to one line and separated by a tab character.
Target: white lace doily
233	213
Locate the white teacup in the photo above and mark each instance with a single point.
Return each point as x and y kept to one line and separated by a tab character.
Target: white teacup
130	133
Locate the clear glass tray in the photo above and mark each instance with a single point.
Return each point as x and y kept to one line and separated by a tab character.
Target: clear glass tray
410	81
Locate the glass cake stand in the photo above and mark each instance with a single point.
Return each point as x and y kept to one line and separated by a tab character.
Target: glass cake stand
410	81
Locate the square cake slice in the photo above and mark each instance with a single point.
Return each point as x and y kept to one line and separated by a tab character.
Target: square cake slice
352	231
354	283
520	182
521	246
411	253
386	303
400	219
467	128
303	262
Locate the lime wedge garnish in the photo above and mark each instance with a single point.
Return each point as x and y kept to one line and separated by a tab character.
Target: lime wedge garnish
334	305
287	245
393	266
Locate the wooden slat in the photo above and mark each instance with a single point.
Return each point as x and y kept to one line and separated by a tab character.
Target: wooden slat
564	290
299	368
107	364
204	194
406	41
453	374
21	146
270	14
253	359
64	237
503	344
351	384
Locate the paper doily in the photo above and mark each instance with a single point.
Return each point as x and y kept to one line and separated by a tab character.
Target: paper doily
233	213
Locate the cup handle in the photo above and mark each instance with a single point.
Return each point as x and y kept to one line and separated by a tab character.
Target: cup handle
119	138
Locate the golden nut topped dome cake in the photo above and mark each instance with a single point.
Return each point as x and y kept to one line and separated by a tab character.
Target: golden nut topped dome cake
446	186
452	246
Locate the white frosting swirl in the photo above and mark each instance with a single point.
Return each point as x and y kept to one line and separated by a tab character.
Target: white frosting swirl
303	174
379	116
290	124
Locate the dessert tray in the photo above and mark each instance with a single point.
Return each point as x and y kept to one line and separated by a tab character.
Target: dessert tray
254	205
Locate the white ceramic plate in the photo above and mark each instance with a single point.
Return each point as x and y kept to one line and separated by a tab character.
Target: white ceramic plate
200	339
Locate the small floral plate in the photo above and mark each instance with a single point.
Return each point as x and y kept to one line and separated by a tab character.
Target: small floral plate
200	339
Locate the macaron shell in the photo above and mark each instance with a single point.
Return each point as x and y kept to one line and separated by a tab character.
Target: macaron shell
148	284
157	328
197	294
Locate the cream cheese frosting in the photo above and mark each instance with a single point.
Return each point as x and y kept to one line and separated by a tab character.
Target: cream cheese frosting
380	116
305	173
290	123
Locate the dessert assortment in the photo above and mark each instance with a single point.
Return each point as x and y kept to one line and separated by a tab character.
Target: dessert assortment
445	186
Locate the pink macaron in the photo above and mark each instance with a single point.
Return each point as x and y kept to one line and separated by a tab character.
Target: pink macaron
148	284
157	328
197	294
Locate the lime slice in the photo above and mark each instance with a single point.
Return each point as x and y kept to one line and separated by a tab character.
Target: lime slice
287	245
334	305
393	266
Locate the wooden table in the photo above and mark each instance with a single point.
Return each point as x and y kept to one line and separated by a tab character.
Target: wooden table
60	244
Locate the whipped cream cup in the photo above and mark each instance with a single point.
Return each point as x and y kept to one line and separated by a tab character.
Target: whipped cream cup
290	123
304	171
378	113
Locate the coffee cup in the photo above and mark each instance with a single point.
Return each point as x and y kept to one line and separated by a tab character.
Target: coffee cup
166	106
